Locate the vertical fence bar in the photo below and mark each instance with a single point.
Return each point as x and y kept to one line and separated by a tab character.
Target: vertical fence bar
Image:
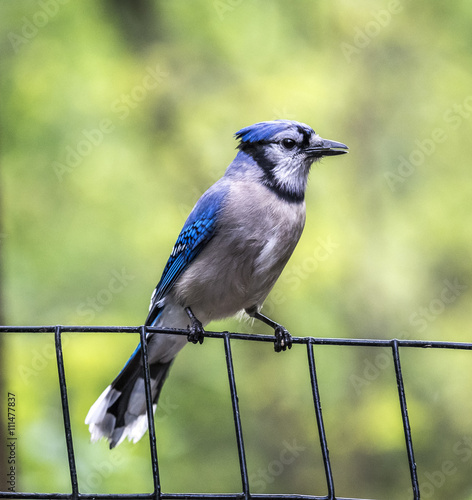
406	421
237	418
65	413
319	421
150	414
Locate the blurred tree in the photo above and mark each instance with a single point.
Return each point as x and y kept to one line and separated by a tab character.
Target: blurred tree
176	79
3	460
137	20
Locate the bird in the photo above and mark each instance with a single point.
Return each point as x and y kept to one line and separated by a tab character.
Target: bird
228	256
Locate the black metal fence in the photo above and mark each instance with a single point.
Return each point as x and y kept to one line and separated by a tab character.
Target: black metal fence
226	337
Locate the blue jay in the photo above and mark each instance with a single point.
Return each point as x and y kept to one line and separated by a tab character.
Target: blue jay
228	256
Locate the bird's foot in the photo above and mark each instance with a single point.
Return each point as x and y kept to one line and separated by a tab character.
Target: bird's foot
195	330
283	339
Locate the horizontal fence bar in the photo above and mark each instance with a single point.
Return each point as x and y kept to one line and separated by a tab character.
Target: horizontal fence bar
436	344
166	496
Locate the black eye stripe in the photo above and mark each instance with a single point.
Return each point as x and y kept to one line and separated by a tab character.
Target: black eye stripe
306	134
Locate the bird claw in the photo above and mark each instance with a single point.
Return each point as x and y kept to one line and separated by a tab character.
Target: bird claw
195	334
283	339
195	330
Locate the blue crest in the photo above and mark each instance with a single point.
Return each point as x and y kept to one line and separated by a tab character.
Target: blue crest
267	131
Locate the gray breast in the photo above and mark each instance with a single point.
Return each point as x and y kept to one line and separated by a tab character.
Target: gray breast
256	234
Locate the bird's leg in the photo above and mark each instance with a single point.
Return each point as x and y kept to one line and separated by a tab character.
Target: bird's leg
196	330
283	339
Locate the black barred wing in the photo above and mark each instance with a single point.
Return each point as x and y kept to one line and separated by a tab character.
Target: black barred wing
196	233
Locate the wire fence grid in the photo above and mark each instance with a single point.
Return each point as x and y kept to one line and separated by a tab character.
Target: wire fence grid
226	337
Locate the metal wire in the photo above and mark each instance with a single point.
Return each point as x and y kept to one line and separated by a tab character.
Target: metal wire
150	414
237	418
319	421
65	413
406	421
245	494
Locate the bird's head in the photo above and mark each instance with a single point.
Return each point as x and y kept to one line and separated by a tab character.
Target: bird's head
284	150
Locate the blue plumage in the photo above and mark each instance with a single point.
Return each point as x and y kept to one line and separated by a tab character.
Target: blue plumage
198	229
228	256
267	131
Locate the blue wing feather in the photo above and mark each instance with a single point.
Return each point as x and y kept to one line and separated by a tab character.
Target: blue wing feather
198	230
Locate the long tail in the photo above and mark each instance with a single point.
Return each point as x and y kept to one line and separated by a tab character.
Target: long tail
120	411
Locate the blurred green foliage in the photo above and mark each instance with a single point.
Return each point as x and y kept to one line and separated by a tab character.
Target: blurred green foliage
116	116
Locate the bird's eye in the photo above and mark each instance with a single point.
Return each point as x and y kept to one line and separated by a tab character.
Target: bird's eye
288	143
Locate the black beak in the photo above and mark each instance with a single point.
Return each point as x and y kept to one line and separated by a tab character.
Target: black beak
327	148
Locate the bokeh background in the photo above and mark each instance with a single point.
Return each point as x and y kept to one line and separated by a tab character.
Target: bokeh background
116	115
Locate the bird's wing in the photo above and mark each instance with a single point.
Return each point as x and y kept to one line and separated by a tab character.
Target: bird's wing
198	230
